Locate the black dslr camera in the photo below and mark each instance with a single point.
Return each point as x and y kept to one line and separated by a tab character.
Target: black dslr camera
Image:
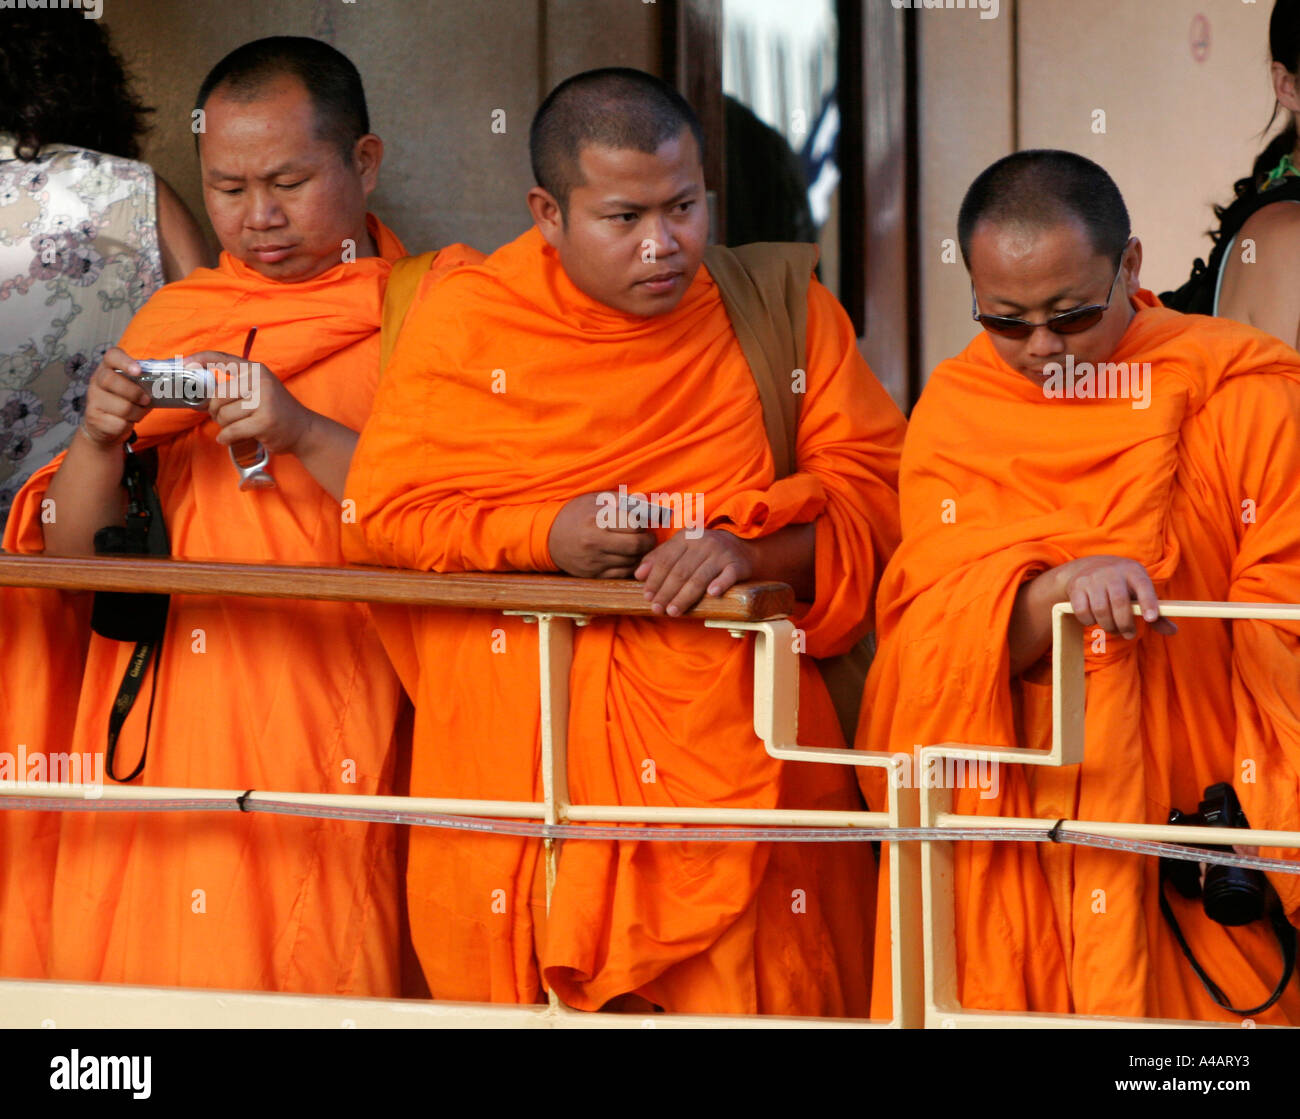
1231	895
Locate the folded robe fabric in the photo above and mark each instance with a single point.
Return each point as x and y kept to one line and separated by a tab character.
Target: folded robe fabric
252	693
43	636
509	394
1202	487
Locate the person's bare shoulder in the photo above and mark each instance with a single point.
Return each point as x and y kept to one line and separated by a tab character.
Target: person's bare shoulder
1261	277
180	237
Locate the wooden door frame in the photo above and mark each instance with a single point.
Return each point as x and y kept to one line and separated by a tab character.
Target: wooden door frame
879	161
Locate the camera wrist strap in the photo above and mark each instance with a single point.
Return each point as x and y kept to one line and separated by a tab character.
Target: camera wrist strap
1286	939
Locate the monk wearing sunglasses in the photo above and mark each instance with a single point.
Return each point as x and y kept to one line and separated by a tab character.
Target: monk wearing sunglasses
1015	498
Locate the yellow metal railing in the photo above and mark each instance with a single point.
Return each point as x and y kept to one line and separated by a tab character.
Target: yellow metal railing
922	929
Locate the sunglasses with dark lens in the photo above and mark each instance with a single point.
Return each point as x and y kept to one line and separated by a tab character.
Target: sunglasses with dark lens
1067	322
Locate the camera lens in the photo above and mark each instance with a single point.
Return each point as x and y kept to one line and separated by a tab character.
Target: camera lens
1234	895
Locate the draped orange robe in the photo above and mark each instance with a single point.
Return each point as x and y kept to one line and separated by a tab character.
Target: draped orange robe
265	694
510	394
43	636
1203	489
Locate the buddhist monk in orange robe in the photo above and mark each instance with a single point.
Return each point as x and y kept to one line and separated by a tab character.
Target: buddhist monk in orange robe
1102	457
249	693
591	353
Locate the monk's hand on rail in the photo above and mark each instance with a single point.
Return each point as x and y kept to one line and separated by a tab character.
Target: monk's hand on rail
682	570
115	400
1102	590
588	539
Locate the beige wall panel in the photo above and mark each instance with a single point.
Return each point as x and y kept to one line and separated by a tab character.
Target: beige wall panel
583	34
1178	131
434	71
966	117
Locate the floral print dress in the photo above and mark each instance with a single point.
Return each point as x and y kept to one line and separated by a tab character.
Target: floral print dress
78	257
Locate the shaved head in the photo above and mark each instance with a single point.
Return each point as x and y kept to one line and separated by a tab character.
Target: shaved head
247	73
1033	191
617	108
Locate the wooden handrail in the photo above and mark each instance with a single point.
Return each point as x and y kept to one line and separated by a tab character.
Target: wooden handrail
745	602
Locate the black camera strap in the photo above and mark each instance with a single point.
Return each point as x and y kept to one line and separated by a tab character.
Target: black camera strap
126	695
147	613
1286	939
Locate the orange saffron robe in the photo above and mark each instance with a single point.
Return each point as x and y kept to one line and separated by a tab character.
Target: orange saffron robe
510	394
43	637
277	695
1203	489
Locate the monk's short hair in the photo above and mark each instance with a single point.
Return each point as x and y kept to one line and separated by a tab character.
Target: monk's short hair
614	107
328	75
1039	189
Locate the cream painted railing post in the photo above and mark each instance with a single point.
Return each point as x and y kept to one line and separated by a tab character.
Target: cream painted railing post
942	1004
1068	689
554	660
938	902
906	906
776	722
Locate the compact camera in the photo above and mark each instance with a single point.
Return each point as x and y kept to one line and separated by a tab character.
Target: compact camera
171	385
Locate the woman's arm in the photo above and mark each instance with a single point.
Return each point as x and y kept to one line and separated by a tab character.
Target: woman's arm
1263	289
180	238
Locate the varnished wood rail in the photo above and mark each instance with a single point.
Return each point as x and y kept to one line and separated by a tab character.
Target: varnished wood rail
562	594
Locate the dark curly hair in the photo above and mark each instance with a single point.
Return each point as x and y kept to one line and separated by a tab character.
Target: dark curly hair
62	82
1284	47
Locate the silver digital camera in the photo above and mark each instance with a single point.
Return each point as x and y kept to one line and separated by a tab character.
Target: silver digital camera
171	385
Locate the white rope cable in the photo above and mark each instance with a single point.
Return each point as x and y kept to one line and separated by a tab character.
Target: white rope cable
663	833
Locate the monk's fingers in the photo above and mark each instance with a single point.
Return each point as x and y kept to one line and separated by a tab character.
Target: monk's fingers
694	587
656	565
234	377
738	553
688	580
1119	601
1080	604
225	411
1149	604
1099	605
622	544
1148	601
108	418
211	357
236	430
119	360
716	574
127	406
727	578
108	427
623	571
108	381
663	583
625	529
